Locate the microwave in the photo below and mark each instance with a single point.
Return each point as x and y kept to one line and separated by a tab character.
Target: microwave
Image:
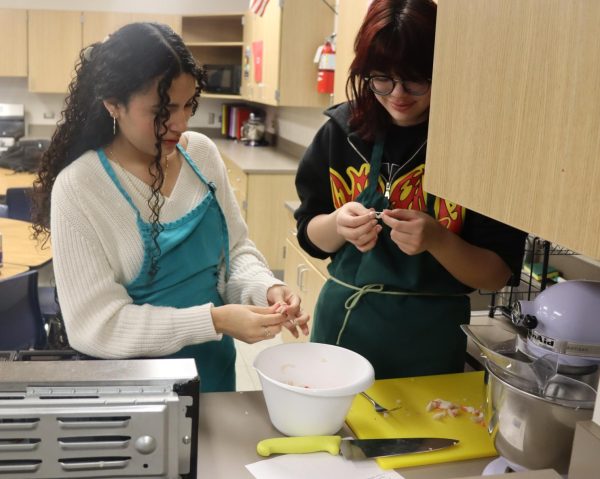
223	79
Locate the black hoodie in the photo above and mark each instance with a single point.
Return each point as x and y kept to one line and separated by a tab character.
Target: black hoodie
335	167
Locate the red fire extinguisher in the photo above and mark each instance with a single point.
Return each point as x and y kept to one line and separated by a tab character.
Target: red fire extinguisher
326	69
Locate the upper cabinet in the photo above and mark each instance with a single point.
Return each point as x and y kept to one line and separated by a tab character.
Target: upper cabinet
515	115
216	40
13	43
54	45
57	37
97	25
279	51
350	17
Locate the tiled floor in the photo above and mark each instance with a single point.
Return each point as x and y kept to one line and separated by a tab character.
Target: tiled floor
246	377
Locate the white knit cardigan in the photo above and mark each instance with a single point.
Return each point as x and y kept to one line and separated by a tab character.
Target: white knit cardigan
97	250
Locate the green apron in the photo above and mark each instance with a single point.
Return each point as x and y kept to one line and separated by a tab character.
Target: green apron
401	312
192	249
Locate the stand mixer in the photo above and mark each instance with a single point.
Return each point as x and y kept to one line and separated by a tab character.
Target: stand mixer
542	376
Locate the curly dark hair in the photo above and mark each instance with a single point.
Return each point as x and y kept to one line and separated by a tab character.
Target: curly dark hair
396	37
129	61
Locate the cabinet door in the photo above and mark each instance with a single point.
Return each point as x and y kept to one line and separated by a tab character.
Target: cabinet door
264	73
97	25
513	130
247	89
13	43
239	183
305	24
350	17
304	279
266	216
289	37
54	46
294	263
174	21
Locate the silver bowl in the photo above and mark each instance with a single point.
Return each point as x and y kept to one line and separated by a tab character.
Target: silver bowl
532	431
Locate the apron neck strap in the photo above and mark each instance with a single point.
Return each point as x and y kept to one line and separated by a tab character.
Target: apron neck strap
376	157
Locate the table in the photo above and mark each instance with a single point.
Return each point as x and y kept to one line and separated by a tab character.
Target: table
7	270
19	247
12	179
231	424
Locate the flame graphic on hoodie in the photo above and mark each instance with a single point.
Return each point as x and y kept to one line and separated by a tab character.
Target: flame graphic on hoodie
406	192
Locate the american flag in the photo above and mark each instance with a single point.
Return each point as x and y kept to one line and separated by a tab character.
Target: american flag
258	6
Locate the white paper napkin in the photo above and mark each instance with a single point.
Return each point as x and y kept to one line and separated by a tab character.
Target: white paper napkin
318	465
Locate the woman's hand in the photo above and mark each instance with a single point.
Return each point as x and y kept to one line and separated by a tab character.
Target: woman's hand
357	225
288	303
413	231
248	323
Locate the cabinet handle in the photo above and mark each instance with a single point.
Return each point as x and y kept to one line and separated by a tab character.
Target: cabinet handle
300	278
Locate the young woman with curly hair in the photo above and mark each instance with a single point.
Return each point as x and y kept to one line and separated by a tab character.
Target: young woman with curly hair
150	252
403	261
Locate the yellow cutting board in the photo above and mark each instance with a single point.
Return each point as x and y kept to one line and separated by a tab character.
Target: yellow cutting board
413	420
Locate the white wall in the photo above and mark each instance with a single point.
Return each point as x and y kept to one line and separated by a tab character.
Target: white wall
299	125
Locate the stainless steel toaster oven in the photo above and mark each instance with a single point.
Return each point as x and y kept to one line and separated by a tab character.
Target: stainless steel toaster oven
99	418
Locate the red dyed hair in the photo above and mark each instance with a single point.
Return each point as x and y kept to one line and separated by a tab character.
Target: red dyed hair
396	38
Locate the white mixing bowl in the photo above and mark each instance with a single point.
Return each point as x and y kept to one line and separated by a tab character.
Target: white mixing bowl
309	387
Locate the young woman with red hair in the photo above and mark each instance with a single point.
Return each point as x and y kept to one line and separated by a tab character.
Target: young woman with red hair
403	260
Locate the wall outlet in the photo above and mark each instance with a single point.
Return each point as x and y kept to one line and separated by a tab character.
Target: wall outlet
48	115
211	118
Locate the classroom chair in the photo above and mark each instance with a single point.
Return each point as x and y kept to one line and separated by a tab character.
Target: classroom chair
18	201
21	321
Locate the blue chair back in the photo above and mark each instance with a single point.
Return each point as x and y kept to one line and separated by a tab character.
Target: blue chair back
19	203
21	321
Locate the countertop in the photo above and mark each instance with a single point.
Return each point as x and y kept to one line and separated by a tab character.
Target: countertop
231	424
265	160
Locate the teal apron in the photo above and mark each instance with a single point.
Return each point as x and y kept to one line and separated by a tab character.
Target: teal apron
401	312
192	250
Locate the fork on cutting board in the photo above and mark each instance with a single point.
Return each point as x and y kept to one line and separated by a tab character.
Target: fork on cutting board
378	407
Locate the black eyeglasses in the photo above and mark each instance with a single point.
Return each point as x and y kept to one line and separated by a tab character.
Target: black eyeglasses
384	85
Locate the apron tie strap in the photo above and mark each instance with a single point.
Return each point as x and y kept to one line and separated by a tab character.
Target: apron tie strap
378	288
353	300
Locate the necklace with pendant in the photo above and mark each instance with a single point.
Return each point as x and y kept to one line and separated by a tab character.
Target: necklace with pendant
394	170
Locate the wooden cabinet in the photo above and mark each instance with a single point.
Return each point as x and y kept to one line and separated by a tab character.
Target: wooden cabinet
97	25
350	17
303	274
302	277
174	21
260	197
513	129
54	43
288	34
239	183
265	216
13	43
56	38
215	39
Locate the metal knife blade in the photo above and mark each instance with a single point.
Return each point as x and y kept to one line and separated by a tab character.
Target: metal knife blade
353	449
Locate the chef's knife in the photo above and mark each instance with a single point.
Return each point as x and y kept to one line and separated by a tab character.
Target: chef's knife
354	449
